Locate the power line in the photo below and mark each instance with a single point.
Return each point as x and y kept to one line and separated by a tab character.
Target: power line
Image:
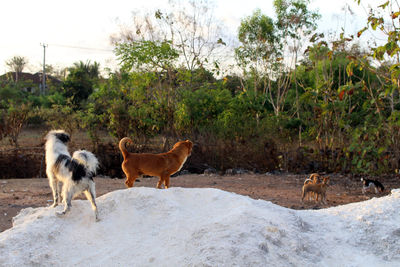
82	47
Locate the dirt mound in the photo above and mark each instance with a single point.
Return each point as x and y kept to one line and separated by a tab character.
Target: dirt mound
29	162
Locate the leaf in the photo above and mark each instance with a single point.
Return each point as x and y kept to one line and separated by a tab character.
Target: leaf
314	37
341	94
221	42
361	31
384	5
158	14
349	68
330	54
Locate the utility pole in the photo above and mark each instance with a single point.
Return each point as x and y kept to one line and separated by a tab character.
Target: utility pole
44	68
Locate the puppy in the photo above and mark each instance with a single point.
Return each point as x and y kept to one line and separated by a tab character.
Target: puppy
75	173
318	189
313	179
162	165
372	184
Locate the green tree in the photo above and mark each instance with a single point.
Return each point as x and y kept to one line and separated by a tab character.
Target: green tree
15	118
295	23
259	49
264	42
81	80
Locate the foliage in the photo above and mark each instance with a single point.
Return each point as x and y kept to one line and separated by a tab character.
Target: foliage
12	120
198	110
80	82
61	117
156	55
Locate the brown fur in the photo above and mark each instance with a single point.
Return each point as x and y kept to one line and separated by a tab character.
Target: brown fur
318	189
314	179
162	165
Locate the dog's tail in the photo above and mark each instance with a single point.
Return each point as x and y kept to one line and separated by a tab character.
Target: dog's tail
88	159
122	146
307	181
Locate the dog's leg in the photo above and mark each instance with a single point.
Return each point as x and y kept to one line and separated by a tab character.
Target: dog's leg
159	183
166	182
91	196
59	190
54	187
324	199
130	177
376	190
67	198
130	180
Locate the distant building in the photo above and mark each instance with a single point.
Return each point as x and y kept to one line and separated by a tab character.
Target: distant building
34	81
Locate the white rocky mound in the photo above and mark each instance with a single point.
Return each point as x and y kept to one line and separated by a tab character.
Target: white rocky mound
204	227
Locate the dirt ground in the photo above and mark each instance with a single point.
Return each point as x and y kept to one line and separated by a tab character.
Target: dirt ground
283	190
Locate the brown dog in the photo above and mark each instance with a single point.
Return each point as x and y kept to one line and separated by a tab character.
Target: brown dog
162	165
318	189
314	178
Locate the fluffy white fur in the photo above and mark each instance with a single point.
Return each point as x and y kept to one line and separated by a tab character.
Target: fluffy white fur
62	168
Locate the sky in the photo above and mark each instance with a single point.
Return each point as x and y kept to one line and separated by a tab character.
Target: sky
143	226
76	31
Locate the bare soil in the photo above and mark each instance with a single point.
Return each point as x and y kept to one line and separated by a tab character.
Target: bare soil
283	190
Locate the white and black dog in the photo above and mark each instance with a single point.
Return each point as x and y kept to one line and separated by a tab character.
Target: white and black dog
372	184
75	173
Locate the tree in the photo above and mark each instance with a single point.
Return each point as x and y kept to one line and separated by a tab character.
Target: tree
17	65
384	19
80	81
189	28
15	118
268	51
194	32
259	46
295	23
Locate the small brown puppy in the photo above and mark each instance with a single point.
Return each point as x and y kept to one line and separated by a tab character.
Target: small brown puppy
313	179
318	189
162	165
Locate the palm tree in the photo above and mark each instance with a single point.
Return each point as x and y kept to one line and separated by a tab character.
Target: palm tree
92	70
17	64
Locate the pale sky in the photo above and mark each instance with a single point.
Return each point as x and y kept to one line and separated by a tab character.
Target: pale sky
80	30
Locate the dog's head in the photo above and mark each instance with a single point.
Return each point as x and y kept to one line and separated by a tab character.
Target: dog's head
187	144
58	135
325	180
364	182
